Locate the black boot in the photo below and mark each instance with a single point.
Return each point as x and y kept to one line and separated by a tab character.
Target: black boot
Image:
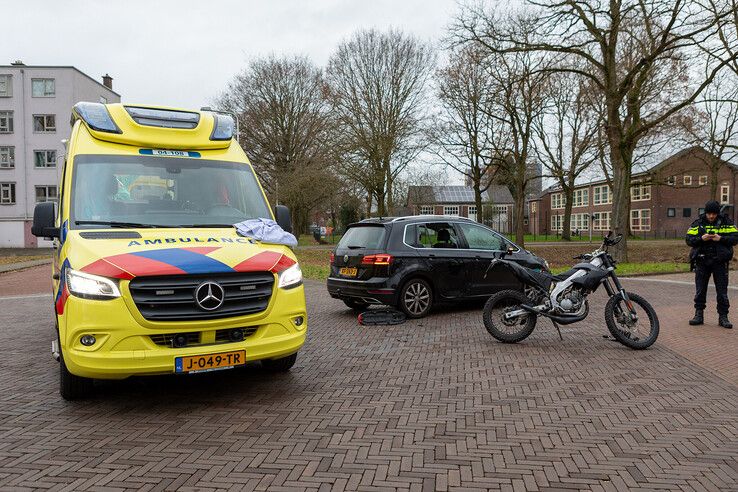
724	322
699	317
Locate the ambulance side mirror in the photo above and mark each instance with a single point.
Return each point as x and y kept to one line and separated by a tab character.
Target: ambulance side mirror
284	219
43	220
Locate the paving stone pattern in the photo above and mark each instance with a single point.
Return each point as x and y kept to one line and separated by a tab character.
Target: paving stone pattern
434	404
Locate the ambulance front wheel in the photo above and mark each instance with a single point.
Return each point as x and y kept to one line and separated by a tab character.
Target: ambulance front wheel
73	387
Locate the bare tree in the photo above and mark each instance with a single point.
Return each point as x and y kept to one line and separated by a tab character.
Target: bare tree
377	85
622	47
713	125
517	82
285	131
566	131
464	131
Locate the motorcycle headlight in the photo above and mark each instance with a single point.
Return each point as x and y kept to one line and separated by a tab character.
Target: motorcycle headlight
88	286
291	277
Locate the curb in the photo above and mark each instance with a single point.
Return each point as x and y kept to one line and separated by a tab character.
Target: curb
11	267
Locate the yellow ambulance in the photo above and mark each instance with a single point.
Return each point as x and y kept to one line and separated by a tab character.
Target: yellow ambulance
150	276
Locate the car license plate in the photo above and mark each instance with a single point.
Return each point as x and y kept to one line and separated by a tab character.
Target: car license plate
209	362
348	272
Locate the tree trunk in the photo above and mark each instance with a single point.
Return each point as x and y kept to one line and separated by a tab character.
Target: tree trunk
714	169
620	220
478	202
381	210
390	200
519	217
369	203
566	231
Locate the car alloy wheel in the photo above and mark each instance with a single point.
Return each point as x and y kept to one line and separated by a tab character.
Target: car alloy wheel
416	298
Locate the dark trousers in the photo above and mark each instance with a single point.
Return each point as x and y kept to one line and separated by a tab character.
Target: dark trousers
719	272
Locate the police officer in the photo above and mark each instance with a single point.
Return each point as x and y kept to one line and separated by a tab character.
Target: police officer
712	237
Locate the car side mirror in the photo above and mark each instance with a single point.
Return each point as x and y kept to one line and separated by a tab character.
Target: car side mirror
284	219
510	250
44	216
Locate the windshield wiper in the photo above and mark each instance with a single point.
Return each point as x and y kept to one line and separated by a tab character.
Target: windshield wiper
112	223
205	226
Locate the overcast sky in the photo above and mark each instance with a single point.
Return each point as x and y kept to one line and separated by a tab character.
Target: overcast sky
183	53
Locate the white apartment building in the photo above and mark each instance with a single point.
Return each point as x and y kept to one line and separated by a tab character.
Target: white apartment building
35	111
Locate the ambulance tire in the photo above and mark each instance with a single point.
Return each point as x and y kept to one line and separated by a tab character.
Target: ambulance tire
73	387
283	364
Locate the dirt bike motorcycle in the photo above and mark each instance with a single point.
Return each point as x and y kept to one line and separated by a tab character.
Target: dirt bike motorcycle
510	315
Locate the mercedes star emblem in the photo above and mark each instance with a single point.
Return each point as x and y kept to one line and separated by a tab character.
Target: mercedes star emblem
209	296
345	258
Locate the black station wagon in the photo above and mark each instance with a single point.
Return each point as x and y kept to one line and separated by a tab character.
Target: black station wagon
415	262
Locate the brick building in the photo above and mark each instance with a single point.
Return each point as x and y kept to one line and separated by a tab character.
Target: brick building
459	200
665	199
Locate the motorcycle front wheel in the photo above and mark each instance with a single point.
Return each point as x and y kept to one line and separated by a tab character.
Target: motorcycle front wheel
637	332
508	330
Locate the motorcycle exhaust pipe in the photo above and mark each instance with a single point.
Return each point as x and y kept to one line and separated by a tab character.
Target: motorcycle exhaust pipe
562	320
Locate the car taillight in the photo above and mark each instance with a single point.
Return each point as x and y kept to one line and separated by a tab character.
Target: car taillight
333	257
377	260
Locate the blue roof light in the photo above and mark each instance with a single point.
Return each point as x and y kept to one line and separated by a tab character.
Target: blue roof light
223	127
96	116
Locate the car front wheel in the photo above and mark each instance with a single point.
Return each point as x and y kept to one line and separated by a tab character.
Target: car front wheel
416	298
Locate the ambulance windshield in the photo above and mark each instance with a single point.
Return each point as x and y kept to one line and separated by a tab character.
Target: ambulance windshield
147	191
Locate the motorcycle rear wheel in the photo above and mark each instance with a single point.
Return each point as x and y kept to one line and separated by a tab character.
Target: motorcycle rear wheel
508	331
626	331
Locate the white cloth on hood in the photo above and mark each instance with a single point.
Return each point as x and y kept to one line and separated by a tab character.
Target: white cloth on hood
266	231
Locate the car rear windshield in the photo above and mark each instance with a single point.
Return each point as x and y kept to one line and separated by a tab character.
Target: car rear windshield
362	237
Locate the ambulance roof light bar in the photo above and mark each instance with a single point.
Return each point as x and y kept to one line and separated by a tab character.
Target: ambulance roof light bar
96	116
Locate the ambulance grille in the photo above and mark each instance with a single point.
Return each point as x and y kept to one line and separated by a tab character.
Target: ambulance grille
172	298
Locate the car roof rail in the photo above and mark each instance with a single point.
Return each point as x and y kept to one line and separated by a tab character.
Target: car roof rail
432	216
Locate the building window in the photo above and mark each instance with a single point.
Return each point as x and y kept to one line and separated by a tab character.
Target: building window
45	194
640	220
426	210
579	222
700	211
703	180
687	212
7	157
472	212
640	192
725	194
451	210
533	207
7	193
6	122
671	180
687	180
557	201
671	212
44	123
43	87
601	221
44	158
6	85
557	223
601	195
581	198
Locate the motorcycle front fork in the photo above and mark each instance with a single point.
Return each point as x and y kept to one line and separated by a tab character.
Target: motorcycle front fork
614	287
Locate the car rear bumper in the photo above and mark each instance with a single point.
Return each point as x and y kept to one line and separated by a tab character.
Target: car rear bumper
373	291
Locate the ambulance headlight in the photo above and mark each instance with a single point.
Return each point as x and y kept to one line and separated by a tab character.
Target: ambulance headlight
292	277
96	116
87	286
223	127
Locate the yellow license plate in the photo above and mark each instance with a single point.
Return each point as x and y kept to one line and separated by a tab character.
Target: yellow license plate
209	362
348	272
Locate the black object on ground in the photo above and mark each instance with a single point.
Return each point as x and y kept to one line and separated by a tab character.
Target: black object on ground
376	317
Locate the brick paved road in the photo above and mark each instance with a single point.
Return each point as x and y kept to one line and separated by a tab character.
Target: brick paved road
431	404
